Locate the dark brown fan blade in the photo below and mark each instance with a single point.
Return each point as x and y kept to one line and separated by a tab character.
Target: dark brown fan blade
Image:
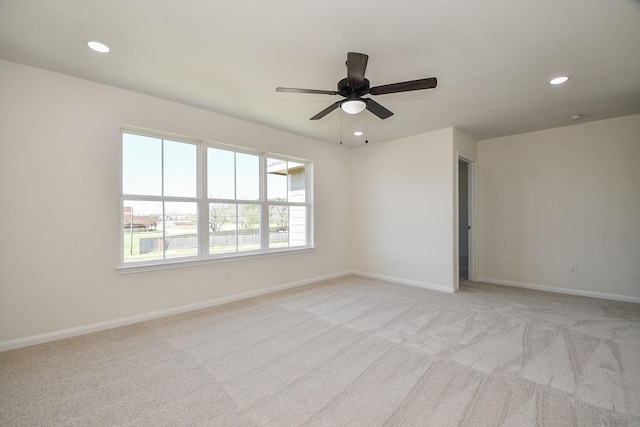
377	109
317	91
326	111
429	83
356	67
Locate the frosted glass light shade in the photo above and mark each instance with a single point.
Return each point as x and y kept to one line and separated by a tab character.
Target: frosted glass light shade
353	106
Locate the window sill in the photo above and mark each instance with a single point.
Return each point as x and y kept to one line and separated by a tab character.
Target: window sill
181	263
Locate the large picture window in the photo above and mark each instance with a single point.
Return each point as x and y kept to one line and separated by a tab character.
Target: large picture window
194	200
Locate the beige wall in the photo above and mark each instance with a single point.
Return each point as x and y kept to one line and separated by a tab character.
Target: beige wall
561	197
402	195
59	178
547	200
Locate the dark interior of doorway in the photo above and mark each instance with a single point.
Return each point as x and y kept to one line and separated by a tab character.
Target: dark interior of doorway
463	219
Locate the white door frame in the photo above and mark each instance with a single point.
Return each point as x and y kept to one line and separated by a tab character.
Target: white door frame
473	221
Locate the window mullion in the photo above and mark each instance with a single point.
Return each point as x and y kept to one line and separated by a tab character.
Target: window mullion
235	199
264	208
164	213
203	202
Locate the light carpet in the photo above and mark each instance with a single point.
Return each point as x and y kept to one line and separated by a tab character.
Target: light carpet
345	352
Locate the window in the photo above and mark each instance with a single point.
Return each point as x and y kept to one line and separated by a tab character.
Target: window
195	200
286	194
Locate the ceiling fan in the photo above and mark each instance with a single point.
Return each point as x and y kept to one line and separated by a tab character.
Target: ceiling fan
355	86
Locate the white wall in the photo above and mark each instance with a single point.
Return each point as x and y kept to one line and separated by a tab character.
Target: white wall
547	200
561	197
402	195
59	198
465	146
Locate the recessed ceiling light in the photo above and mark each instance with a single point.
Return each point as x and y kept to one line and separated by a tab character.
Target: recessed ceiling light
98	46
558	80
358	133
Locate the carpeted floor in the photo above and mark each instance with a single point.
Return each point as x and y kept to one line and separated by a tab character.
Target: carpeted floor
346	352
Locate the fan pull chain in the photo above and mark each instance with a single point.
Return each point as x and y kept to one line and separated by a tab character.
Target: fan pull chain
340	127
366	127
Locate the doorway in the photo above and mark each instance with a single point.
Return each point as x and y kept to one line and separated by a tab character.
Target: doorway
466	220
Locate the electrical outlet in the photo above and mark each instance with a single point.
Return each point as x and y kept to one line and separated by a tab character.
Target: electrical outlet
573	269
394	260
227	275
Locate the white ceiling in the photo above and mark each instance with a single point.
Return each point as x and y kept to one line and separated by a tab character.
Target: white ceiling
493	59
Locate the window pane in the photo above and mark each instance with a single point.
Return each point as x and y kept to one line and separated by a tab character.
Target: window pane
142	230
248	227
276	180
247	177
180	168
222	228
278	226
220	174
181	229
141	165
297	182
297	226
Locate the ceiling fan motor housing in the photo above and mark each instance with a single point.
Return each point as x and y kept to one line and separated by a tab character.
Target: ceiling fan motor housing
349	92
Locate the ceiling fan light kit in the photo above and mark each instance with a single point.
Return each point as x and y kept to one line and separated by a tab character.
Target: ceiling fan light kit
353	106
355	86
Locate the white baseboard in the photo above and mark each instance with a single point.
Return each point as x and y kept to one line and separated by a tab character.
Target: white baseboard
578	292
110	324
404	281
96	327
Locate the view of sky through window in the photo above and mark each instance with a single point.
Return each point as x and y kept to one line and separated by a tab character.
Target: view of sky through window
165	214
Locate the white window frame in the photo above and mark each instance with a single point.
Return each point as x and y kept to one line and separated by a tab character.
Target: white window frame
203	201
